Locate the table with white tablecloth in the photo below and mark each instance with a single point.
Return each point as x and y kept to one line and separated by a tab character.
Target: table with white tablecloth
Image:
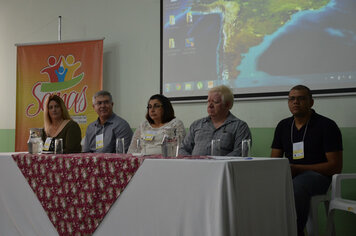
190	197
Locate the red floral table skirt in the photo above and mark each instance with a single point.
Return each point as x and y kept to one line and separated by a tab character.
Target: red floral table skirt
77	190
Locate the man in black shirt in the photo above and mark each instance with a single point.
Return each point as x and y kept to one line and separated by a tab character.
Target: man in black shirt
313	145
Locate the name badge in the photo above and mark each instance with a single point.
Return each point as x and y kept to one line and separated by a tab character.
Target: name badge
47	144
149	135
298	151
99	141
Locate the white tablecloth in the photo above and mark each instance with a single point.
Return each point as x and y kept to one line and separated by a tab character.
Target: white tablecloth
171	198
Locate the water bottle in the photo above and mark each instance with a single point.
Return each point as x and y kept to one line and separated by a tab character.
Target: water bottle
35	143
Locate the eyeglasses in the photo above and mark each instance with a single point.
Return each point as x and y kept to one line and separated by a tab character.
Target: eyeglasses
155	106
105	102
299	99
215	102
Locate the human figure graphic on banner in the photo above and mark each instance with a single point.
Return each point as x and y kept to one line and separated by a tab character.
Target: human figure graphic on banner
52	68
61	73
70	66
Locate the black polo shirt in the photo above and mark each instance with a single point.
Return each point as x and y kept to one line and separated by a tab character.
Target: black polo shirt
322	135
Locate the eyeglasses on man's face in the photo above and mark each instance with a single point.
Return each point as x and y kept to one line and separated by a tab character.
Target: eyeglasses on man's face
105	102
214	101
155	106
297	98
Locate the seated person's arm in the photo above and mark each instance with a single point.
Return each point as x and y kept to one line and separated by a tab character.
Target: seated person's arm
276	152
73	139
242	132
44	136
188	144
332	166
124	131
133	145
86	147
180	130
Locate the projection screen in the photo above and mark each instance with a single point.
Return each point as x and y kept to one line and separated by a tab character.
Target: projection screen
257	47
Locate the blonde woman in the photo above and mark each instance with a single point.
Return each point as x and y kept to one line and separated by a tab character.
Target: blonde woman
58	124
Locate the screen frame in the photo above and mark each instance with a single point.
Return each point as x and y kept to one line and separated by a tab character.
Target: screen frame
245	96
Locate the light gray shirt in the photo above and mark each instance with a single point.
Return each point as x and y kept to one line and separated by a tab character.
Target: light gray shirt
201	132
115	127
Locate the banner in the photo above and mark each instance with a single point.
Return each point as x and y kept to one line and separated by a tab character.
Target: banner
72	70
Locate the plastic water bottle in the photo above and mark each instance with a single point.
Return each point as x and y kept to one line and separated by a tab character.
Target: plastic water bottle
35	143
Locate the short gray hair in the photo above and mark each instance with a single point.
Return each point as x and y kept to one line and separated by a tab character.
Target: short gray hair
102	93
226	95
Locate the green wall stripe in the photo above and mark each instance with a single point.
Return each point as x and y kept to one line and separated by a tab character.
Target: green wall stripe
7	140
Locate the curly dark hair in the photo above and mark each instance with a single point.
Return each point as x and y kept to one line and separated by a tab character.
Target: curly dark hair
168	112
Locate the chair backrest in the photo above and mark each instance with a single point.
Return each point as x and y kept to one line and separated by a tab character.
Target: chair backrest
336	184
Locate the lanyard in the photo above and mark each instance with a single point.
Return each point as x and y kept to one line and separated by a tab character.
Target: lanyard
291	131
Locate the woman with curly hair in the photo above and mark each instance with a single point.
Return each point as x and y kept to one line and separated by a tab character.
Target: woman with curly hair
160	121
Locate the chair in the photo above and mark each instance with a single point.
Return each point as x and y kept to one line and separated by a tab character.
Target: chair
337	202
312	226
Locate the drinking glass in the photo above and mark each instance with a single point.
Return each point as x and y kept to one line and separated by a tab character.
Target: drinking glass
138	146
58	146
215	147
120	145
246	148
142	145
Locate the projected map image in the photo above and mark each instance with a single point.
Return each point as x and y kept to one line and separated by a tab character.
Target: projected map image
257	46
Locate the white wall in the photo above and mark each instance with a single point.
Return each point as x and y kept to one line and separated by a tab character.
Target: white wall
131	58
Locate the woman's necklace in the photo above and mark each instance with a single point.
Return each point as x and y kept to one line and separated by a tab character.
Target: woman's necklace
154	125
55	127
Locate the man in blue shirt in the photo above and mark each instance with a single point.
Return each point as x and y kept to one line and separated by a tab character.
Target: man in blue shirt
313	145
101	135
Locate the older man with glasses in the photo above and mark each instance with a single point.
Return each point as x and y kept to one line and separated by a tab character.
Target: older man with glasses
219	125
101	135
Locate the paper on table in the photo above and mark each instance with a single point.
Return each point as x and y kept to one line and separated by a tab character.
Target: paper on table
230	158
137	154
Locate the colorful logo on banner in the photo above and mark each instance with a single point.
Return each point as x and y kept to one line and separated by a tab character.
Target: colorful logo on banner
71	70
60	72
